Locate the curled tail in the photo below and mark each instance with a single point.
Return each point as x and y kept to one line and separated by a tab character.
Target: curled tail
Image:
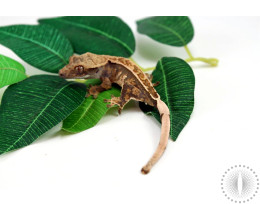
165	130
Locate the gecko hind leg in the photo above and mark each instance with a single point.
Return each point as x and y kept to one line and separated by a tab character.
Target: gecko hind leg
150	77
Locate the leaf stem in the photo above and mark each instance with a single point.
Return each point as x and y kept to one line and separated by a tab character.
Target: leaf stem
143	69
188	51
211	61
148	69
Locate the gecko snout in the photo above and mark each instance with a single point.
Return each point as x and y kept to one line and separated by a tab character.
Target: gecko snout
62	74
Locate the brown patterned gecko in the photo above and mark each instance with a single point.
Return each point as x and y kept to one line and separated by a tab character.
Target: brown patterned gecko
135	85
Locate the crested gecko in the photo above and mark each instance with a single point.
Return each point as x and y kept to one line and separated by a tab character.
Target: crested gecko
135	85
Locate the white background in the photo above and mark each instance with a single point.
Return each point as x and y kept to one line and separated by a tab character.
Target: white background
102	164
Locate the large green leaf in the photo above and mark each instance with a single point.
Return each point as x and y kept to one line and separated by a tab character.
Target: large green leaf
176	88
33	106
11	71
90	112
98	34
170	30
42	46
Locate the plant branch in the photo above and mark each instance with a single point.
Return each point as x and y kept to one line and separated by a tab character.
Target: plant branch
212	61
80	80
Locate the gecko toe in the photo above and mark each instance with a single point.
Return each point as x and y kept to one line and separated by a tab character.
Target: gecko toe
109	105
156	83
106	100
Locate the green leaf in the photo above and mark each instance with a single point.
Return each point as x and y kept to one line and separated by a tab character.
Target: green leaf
42	46
97	34
33	106
90	112
176	88
170	30
11	71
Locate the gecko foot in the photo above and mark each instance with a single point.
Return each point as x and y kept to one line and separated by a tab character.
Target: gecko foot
114	101
94	91
110	101
110	105
107	100
94	95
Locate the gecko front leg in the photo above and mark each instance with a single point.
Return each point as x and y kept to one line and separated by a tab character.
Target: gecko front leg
95	90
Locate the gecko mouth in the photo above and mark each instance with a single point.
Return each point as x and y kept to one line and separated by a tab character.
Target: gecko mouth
81	77
73	77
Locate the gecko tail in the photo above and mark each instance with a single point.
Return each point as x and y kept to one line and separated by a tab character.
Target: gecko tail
165	130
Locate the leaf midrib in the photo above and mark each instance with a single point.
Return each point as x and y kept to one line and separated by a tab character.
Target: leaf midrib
97	31
170	30
14	70
27	129
37	43
82	115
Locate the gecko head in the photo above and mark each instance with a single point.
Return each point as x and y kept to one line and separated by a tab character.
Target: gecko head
80	67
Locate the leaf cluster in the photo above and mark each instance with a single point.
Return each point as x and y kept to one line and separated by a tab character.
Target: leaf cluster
32	105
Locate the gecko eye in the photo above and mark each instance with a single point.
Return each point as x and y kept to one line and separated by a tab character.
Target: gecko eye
79	69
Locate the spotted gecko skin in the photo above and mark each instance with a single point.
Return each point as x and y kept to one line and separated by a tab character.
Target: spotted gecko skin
135	85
